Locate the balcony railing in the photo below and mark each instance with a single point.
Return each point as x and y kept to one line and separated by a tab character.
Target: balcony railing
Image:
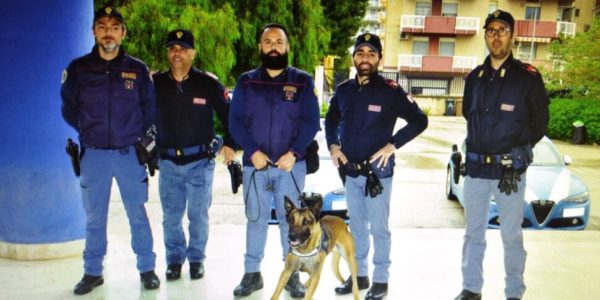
410	61
436	64
565	28
544	29
464	62
467	24
412	22
439	24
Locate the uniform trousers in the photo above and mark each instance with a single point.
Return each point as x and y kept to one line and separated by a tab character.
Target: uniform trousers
477	196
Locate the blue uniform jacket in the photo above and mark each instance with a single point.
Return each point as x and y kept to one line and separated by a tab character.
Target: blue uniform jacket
504	109
185	110
110	103
361	118
274	115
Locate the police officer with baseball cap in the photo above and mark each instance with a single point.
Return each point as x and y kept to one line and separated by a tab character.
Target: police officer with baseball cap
359	129
108	98
186	99
506	108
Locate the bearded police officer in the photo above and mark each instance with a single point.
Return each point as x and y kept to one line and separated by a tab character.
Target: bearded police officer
506	108
359	130
108	97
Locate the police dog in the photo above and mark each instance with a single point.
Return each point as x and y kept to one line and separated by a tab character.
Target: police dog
311	239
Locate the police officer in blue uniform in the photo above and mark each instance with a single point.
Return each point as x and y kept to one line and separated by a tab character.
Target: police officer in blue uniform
506	108
359	128
274	116
186	100
108	97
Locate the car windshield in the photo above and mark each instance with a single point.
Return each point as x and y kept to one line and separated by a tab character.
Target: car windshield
544	154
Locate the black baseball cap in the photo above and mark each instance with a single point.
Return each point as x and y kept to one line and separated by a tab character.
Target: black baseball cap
181	37
370	40
108	11
500	16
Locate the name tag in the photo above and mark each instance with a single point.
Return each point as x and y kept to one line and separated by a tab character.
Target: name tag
374	108
507	107
199	101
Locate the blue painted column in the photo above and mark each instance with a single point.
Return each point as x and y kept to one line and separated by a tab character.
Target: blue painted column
40	199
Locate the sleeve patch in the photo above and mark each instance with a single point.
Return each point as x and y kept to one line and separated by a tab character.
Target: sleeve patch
392	83
63	77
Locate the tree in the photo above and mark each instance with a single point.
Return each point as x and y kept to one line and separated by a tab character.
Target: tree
582	66
343	19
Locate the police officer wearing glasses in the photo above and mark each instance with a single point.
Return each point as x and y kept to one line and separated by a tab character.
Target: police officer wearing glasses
108	97
506	108
359	128
187	99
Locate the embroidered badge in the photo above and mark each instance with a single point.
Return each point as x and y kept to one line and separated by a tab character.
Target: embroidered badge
128	85
290	92
507	107
410	98
128	75
199	101
226	95
480	73
502	72
64	76
374	108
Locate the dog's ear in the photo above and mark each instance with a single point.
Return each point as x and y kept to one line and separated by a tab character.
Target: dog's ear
289	205
316	206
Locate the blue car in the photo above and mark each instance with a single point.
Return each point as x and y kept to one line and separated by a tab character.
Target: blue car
555	198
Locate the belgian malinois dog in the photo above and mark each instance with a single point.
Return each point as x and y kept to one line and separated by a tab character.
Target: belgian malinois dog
311	239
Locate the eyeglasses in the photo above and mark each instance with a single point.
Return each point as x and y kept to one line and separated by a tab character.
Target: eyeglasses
491	32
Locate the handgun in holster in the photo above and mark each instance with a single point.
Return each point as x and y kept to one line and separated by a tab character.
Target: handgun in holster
459	167
146	150
73	152
235	171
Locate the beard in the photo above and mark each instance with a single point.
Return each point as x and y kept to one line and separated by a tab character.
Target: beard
366	69
277	62
108	45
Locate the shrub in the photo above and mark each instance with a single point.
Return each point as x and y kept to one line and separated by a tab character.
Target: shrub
563	112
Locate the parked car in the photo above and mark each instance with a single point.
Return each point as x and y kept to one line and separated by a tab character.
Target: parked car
555	198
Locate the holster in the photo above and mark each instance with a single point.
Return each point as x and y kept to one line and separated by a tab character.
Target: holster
73	152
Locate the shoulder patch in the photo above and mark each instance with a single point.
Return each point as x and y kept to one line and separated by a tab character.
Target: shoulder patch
530	68
211	75
344	82
64	76
391	83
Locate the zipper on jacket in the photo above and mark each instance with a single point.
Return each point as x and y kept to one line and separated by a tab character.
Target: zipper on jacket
108	71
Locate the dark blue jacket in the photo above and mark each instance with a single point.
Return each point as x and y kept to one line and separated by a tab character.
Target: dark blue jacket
274	115
361	118
185	110
504	109
110	103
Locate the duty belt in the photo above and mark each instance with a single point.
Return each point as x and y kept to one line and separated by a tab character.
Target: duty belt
497	159
187	151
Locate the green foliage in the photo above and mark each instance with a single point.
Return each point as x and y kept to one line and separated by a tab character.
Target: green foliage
563	112
343	18
582	66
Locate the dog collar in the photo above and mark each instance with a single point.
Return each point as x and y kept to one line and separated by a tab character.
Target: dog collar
322	246
311	253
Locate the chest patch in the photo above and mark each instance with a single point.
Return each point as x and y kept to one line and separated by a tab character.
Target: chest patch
128	85
128	75
290	92
507	107
374	108
199	101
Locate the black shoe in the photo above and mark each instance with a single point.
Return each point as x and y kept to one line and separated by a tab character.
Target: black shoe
294	286
87	284
196	270
173	272
250	283
346	288
377	291
468	295
513	299
150	280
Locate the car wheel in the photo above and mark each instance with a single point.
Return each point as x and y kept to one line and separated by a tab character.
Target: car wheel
449	193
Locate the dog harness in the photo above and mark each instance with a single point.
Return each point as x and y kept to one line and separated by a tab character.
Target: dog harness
322	246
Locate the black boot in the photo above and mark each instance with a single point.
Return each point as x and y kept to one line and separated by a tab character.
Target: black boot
196	270
377	291
150	280
173	272
468	295
250	283
346	288
87	284
294	286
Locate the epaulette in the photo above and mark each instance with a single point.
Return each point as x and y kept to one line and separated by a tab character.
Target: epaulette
391	83
344	82
478	71
530	68
211	75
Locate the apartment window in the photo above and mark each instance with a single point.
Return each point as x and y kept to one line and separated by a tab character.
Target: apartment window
493	7
527	51
533	13
423	9
446	48
564	14
420	47
449	9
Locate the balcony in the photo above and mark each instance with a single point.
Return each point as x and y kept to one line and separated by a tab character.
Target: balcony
436	64
451	26
545	31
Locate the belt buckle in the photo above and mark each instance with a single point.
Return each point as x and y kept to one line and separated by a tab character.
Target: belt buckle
178	152
487	159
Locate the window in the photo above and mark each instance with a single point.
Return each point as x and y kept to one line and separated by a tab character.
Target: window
532	13
564	14
493	7
420	47
527	51
446	47
423	9
449	9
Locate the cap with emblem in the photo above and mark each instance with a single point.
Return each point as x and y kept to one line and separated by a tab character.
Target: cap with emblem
108	11
181	37
370	40
500	16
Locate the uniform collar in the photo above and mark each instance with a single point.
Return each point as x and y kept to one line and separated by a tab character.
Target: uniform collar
118	58
372	79
489	71
186	77
279	78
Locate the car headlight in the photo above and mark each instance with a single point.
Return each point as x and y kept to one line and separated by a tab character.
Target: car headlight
579	198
